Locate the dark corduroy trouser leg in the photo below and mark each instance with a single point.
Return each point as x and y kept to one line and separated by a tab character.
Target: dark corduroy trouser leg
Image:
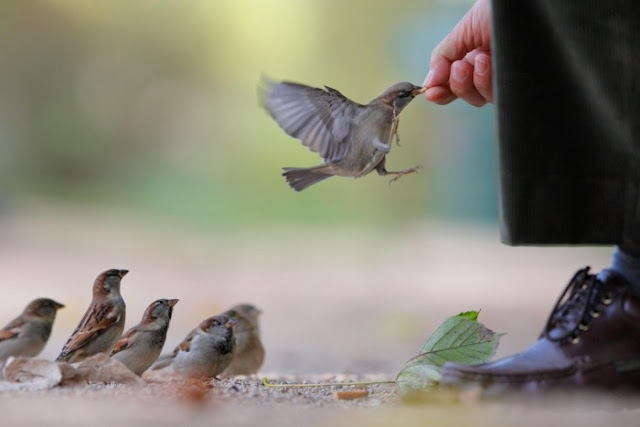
567	81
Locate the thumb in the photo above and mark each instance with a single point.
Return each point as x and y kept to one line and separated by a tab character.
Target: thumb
471	32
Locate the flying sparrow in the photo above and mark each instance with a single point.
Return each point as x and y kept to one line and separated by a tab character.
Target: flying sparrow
27	334
102	324
141	345
206	351
353	139
249	353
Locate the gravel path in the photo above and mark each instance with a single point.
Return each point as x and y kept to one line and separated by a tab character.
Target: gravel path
240	402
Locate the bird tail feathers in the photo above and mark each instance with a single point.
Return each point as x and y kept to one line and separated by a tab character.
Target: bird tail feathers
301	178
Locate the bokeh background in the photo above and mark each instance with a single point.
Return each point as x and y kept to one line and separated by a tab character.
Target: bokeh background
131	137
150	107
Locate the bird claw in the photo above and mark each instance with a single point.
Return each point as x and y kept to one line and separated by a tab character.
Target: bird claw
399	174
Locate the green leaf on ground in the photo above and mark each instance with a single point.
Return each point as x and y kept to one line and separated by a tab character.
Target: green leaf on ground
460	339
471	315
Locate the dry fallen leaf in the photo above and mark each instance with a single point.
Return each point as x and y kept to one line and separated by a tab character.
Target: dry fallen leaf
351	394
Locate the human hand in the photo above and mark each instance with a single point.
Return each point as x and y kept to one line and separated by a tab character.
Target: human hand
460	66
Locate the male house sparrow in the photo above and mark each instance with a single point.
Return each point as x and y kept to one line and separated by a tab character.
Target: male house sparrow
353	139
249	353
27	334
206	351
102	324
141	345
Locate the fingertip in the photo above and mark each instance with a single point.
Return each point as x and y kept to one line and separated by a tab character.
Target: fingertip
447	100
438	73
482	64
427	80
482	76
439	95
433	93
462	83
460	71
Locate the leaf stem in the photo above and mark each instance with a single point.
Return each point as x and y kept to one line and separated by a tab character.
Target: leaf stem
266	383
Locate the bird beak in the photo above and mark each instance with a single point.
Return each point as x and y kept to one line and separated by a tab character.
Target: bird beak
230	323
173	302
122	273
418	90
58	305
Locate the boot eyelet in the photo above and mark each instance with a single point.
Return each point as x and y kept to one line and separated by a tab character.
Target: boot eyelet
574	339
594	313
583	326
607	299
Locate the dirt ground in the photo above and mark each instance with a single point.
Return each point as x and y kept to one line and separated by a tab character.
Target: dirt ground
339	304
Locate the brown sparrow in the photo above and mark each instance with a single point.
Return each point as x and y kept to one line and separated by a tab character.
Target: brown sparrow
27	334
141	345
353	139
102	324
249	353
206	351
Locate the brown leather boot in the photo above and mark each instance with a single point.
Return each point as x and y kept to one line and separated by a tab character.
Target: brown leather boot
591	341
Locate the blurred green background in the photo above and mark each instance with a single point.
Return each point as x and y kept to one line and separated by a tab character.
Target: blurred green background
149	108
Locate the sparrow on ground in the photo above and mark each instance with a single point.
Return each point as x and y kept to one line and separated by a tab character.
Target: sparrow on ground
249	353
27	334
206	351
102	324
353	139
141	345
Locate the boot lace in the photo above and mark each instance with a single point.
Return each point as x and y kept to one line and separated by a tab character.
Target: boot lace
576	307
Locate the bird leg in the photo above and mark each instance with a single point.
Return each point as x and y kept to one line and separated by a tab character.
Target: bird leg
398	174
394	128
380	146
382	171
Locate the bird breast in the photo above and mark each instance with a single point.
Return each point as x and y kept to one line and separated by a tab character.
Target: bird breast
375	125
201	359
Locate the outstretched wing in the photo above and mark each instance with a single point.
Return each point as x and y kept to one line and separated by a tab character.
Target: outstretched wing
321	119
